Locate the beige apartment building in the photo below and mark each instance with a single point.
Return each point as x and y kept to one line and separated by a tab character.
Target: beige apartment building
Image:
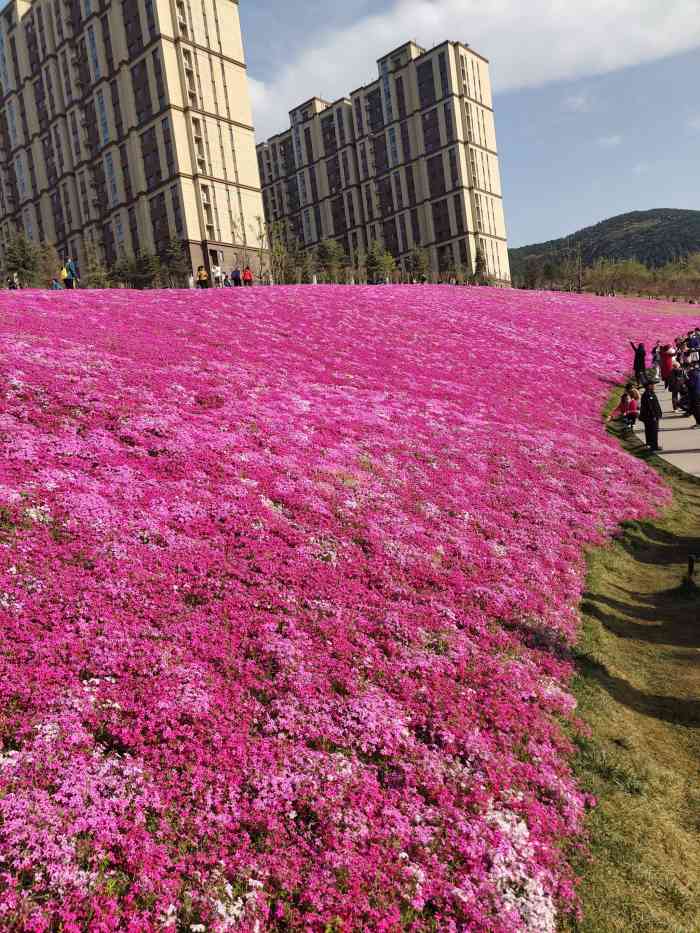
126	124
409	160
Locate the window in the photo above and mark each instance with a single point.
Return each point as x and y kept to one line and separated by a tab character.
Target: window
111	180
449	122
363	160
67	207
168	147
393	147
102	118
116	109
405	141
107	41
124	159
400	97
75	135
12	123
150	17
134	231
459	213
20	176
151	158
159	221
58	147
426	84
444	82
358	117
160	82
119	233
92	48
189	76
454	168
182	18
208	213
199	146
66	77
177	210
309	145
431	131
142	92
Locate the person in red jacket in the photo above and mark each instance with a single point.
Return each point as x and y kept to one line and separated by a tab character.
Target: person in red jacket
668	355
248	276
627	411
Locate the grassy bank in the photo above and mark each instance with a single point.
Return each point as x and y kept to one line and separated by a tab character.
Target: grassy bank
638	688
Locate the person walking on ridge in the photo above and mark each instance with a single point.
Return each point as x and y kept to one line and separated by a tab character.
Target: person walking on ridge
640	361
651	414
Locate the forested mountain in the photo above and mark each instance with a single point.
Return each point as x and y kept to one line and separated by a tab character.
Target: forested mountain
654	238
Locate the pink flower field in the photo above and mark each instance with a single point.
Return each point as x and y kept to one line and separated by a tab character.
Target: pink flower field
289	585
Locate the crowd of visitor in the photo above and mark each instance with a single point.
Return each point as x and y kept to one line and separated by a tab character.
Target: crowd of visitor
675	365
221	279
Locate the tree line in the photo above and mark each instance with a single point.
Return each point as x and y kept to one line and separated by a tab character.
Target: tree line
678	280
291	262
36	265
288	262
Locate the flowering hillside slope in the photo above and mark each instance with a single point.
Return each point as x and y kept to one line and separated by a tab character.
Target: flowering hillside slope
288	579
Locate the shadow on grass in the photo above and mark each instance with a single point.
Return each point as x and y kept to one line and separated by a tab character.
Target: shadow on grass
684	712
618	617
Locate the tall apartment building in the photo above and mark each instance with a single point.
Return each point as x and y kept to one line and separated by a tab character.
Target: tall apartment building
126	123
409	160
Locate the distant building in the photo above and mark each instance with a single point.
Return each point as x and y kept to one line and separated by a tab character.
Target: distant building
125	124
409	160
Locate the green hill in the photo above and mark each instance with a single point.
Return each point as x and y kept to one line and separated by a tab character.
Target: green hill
652	237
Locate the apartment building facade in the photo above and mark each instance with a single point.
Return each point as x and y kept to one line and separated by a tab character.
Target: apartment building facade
409	160
126	123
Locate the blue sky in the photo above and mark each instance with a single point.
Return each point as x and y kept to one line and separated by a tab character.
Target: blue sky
597	102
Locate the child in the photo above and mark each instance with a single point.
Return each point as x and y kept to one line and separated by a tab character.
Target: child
627	411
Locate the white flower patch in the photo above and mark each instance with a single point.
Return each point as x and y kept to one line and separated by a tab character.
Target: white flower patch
38	513
511	873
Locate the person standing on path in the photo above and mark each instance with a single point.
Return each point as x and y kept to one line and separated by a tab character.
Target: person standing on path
640	361
651	414
694	394
668	355
248	276
236	278
676	384
202	277
71	280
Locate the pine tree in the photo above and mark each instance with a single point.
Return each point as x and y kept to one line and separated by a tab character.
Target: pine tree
388	266
49	264
331	259
419	264
175	263
95	273
22	257
480	268
374	263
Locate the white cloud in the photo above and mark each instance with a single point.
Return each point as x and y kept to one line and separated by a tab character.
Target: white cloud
609	142
529	44
578	103
693	123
